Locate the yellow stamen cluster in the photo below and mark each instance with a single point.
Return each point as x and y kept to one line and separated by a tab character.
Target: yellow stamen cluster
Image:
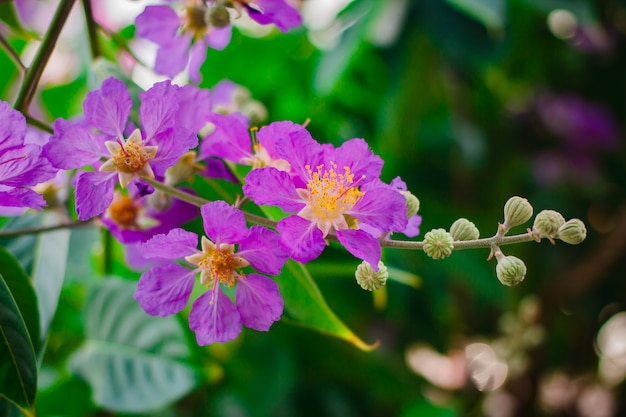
129	158
218	264
331	193
123	211
196	20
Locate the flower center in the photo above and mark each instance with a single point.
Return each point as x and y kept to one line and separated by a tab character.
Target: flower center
218	264
331	193
129	158
123	211
196	20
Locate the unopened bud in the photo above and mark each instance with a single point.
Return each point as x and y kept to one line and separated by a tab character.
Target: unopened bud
517	210
510	270
572	231
219	17
438	244
412	203
547	223
182	170
255	111
463	229
369	279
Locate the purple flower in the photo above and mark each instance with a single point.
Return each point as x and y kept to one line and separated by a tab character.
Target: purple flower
183	40
126	158
165	289
331	190
265	12
21	163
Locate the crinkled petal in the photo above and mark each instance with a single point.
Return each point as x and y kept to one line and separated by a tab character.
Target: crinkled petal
176	244
223	96
300	238
73	146
268	135
12	127
24	166
258	301
22	197
272	187
300	150
412	228
219	38
381	207
229	140
223	223
94	193
278	12
197	55
262	250
194	107
356	154
172	58
172	144
108	108
214	318
158	108
158	24
215	168
165	289
361	244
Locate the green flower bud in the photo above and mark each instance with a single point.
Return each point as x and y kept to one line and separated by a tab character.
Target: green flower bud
412	203
438	244
219	17
510	270
547	223
572	231
369	279
517	210
463	229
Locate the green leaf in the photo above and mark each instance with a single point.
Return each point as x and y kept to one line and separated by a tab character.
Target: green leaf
50	260
306	305
134	362
23	293
18	365
488	12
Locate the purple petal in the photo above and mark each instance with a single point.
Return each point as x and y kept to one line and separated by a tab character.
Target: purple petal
230	139
172	144
413	226
94	193
108	108
73	146
262	250
301	238
176	244
214	318
158	108
300	150
258	301
381	207
215	168
268	135
362	245
194	107
223	96
223	223
172	58
23	166
269	186
165	289
158	24
21	197
12	127
356	154
278	12
197	55
219	38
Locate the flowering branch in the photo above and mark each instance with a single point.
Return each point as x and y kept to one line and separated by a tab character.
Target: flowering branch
33	74
91	29
44	229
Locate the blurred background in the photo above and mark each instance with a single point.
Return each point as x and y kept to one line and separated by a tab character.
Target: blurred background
470	102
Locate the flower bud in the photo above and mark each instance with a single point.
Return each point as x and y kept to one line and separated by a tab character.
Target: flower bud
463	229
517	210
438	244
547	223
510	270
182	170
219	17
412	203
369	279
572	231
